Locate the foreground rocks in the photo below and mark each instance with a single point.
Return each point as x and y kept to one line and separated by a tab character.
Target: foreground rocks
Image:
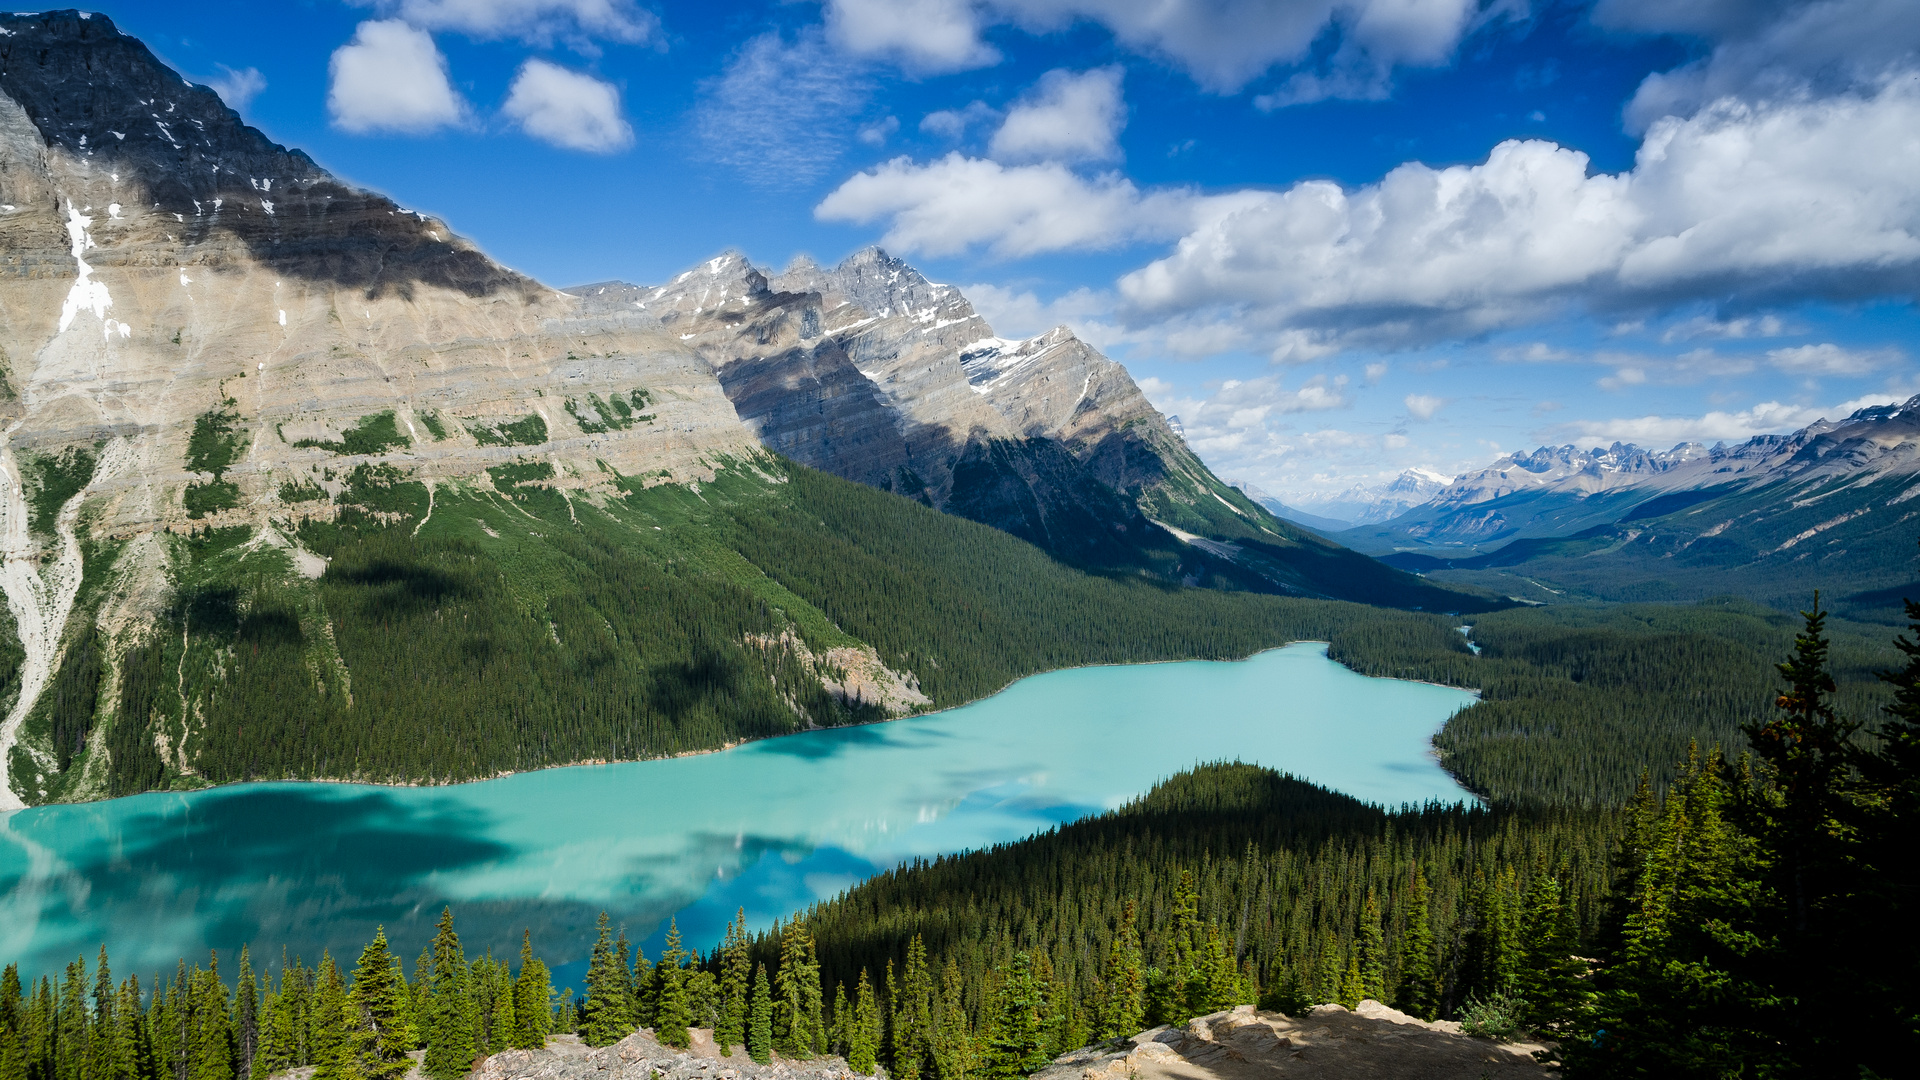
640	1057
1372	1041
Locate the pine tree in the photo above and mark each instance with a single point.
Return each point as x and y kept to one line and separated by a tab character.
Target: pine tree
1419	990
863	1034
378	1033
911	1037
735	963
760	1018
1016	1041
604	1018
955	1055
1327	986
213	1026
799	1023
671	1014
1373	951
71	1026
1123	991
532	999
13	1017
246	1014
99	1064
421	997
450	1023
643	991
1548	981
838	1018
132	1058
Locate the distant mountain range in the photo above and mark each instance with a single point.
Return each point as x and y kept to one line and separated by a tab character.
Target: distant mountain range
1773	518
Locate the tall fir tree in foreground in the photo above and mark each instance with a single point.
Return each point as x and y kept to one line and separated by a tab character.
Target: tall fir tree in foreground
863	1032
760	1018
378	1030
532	999
1123	1002
911	1031
450	1046
671	1015
606	1017
735	977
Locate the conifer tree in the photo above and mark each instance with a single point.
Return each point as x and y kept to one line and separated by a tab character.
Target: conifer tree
327	1021
213	1026
532	999
735	975
911	1037
131	1058
799	1023
1123	1001
1016	1040
1419	990
13	1016
99	1065
1222	978
955	1056
603	1018
1548	981
246	1013
671	1013
378	1033
863	1033
1327	985
421	997
643	995
760	1018
450	1044
838	1017
71	1026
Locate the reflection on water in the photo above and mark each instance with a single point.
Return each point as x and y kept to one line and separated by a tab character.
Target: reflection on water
770	826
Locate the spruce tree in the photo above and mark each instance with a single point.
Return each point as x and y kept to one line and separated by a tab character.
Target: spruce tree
955	1055
1123	1000
839	1016
1419	991
1016	1044
246	1013
911	1037
131	1055
1549	978
99	1064
1373	951
532	999
378	1033
450	1021
604	1018
735	976
421	997
327	1021
213	1026
799	1021
13	1021
71	1025
671	1013
760	1018
863	1033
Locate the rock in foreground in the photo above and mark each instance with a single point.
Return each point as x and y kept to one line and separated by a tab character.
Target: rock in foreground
1372	1041
640	1057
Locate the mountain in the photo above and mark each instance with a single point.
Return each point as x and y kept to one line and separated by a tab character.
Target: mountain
1364	504
1321	525
1771	518
297	482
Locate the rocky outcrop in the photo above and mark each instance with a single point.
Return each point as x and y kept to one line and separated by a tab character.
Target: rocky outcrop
640	1057
1330	1042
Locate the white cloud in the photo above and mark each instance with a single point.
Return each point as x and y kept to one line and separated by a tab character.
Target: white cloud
1768	417
1808	198
878	132
957	202
1067	117
953	124
534	21
391	78
783	111
567	108
1423	406
925	36
238	88
1767	51
1231	425
1703	326
1021	314
1375	372
1830	359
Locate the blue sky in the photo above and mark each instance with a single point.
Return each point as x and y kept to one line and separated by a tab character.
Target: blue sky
1338	238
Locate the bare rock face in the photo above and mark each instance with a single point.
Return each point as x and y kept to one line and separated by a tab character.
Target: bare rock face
1330	1042
640	1057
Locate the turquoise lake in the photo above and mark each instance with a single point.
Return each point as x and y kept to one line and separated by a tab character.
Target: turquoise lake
772	825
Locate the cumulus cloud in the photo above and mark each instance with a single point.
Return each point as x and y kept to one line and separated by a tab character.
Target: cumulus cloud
784	110
567	108
1423	406
1705	326
1017	313
1770	51
1830	359
925	36
878	132
947	206
1778	201
391	78
1231	424
533	21
953	124
238	88
1768	417
1068	117
1221	44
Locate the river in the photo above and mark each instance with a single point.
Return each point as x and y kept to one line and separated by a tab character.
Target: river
771	825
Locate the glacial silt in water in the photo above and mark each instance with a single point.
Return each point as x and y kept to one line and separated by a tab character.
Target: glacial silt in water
771	825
